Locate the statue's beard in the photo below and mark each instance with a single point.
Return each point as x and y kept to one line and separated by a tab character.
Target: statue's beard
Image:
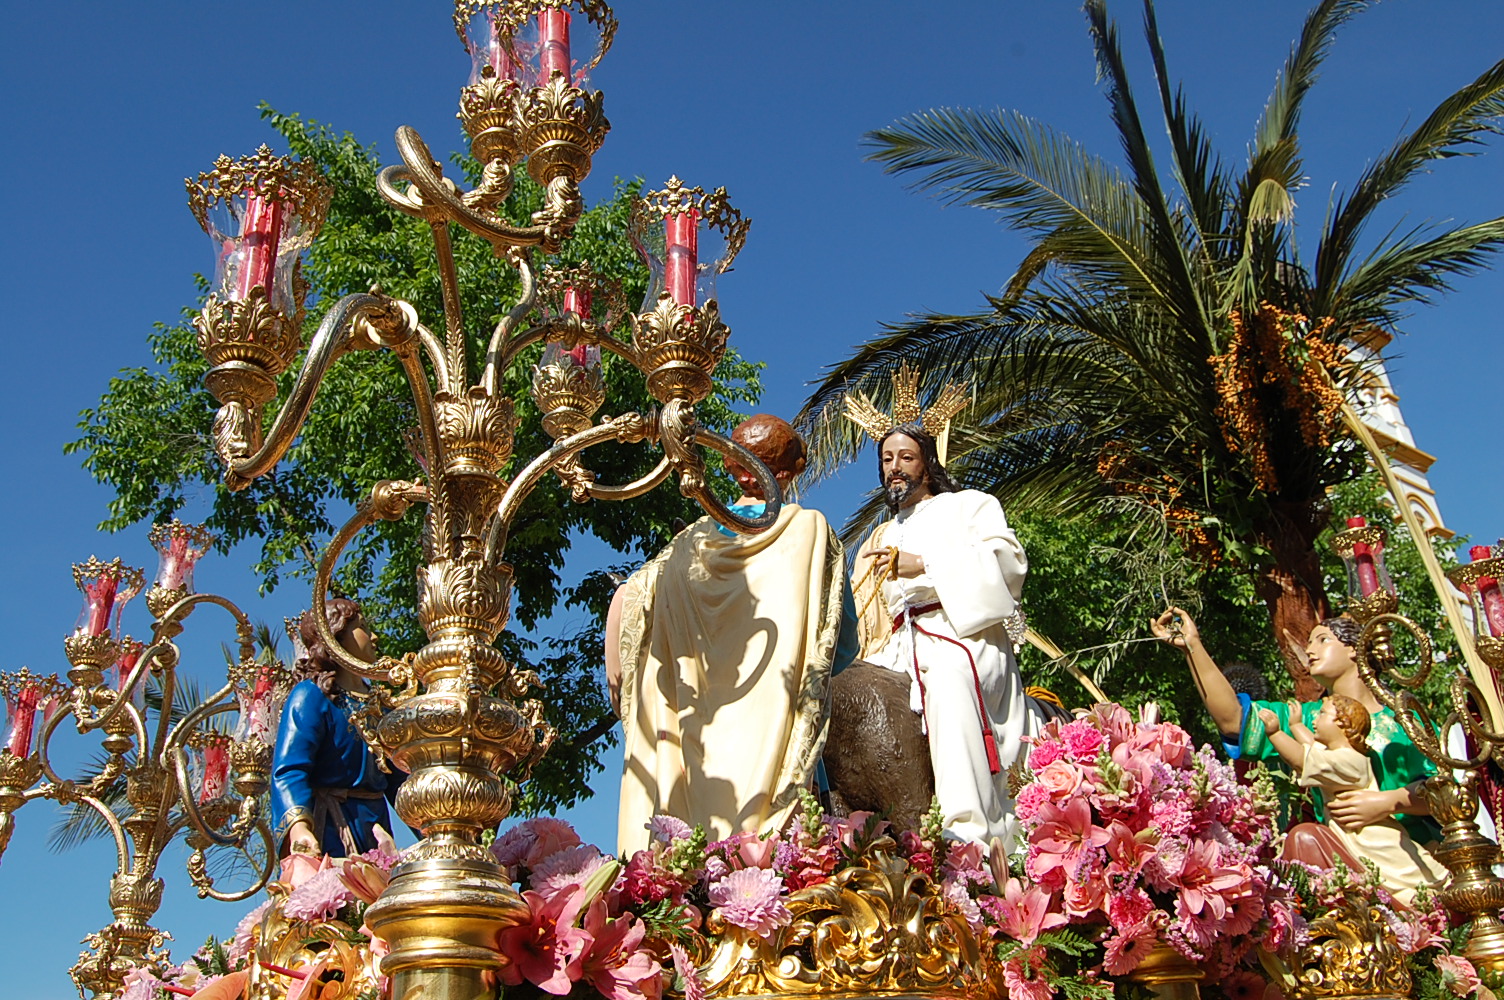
900	488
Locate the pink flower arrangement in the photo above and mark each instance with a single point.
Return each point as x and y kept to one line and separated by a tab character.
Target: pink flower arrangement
1130	829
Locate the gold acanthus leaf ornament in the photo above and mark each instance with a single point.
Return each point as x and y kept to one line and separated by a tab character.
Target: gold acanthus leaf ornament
1352	953
877	929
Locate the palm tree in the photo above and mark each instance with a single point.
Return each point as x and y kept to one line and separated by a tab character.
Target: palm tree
1164	341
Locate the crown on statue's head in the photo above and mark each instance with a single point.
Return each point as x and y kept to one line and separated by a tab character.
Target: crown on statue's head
935	420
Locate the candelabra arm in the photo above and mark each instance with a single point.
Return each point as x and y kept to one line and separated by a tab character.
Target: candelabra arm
205	884
332	341
499	354
178	758
635	489
457	366
417	381
389	500
588	334
422	171
435	352
179	734
634	427
627	428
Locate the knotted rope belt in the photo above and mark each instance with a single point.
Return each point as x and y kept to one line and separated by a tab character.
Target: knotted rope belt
994	761
327	808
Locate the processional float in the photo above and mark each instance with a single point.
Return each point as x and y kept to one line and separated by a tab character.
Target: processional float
457	716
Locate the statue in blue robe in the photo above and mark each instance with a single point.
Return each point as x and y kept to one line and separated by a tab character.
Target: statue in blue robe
328	791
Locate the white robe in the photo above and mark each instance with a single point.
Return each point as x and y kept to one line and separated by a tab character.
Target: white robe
975	567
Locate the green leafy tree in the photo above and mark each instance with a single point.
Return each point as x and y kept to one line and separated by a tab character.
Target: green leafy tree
1165	342
149	440
1095	582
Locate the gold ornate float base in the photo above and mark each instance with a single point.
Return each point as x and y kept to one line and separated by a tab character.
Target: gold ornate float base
878	929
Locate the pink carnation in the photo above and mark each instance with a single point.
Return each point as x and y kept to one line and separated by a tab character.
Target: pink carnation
752	898
1082	740
320	898
642	881
1030	798
1045	753
667	829
530	841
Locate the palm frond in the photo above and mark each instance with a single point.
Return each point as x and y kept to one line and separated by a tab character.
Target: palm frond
1197	165
1279	123
1412	270
1179	289
1038	179
1457	123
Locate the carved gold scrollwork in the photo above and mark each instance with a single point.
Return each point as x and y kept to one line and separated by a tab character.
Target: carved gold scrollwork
1352	953
327	948
877	929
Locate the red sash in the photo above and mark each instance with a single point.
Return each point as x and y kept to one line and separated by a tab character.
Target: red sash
994	761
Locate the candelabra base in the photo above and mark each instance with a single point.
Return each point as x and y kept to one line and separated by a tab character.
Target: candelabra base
442	918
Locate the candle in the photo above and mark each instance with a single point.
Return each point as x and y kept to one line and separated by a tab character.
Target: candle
216	770
260	229
577	301
553	37
1368	572
495	54
682	230
99	600
22	707
1492	598
130	655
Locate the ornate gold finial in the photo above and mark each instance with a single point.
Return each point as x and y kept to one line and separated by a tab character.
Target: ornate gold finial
951	400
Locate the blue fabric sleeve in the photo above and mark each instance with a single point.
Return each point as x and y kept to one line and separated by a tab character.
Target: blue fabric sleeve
1234	747
300	733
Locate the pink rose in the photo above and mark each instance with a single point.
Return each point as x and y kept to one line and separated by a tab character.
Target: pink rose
1059	779
299	868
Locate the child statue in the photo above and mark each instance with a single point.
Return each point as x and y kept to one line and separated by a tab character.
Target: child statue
328	791
1335	759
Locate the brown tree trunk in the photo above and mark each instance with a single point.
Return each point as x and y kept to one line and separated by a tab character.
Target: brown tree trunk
1292	589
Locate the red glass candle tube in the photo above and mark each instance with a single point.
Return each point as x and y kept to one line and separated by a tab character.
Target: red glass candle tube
216	757
1363	559
1489	595
99	602
553	36
260	232
21	712
681	255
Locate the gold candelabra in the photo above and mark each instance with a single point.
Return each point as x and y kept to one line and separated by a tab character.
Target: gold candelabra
461	723
1474	892
148	749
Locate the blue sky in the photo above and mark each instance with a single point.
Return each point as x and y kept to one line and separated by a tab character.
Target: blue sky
111	107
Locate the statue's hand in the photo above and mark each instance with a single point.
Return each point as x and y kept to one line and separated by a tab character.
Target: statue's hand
1356	809
1270	721
1175	627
